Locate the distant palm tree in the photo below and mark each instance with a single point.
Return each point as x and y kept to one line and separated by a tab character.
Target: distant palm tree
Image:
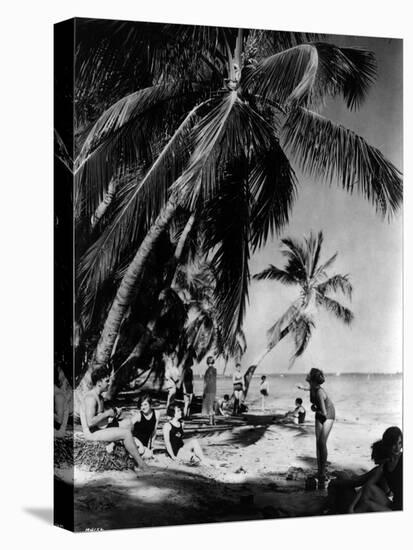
305	270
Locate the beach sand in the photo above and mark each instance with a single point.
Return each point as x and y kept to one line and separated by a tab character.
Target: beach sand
264	478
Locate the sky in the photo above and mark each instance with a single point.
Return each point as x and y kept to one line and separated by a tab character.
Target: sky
369	248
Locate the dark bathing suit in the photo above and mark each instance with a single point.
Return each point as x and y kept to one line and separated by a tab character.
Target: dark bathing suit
264	392
144	429
330	410
395	482
188	382
301	417
175	437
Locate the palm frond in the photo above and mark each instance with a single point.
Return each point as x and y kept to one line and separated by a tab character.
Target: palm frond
61	152
273	191
302	330
334	307
229	131
335	283
296	255
133	210
226	237
130	132
306	74
331	152
321	271
316	251
274	273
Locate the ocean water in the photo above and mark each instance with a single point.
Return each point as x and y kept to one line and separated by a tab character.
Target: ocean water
371	400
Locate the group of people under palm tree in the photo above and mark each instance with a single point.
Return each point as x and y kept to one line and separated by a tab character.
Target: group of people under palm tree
138	431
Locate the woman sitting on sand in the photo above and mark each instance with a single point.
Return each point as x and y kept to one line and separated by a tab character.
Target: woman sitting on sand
173	433
144	425
377	485
324	419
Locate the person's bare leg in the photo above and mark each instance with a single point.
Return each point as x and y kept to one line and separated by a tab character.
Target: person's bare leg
318	427
323	453
126	423
186	405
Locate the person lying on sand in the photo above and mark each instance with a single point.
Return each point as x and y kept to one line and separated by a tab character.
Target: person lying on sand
173	433
103	425
298	414
144	425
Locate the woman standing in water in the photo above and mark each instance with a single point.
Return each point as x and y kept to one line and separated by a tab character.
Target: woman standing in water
325	415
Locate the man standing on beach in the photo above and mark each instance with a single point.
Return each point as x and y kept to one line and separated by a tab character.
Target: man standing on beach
210	390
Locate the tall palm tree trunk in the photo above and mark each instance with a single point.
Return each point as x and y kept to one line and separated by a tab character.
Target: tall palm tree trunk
128	285
251	370
141	345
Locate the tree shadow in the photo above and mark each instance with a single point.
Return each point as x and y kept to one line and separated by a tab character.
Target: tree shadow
243	437
181	497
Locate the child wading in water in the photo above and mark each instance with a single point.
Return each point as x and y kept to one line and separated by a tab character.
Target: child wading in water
263	391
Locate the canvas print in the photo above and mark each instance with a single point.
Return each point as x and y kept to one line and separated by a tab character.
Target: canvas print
228	274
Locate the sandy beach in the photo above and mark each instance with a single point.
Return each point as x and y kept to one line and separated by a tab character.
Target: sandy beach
264	478
264	462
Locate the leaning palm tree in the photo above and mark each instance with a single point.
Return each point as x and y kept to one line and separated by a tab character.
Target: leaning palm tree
305	270
226	131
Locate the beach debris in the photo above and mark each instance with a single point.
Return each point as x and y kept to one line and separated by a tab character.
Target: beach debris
240	470
295	473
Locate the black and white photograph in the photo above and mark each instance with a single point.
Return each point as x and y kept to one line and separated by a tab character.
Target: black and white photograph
228	246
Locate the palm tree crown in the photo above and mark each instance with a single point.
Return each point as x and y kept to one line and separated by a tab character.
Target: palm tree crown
304	269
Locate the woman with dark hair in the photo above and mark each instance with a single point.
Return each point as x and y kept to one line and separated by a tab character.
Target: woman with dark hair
144	426
324	419
393	469
344	497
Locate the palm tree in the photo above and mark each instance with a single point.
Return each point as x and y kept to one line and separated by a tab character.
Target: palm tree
304	269
218	128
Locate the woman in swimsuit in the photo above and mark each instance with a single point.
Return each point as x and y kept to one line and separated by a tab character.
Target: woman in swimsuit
324	419
144	425
239	387
173	433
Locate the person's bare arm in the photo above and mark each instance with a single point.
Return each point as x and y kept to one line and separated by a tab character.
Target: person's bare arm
166	434
303	388
62	430
153	436
321	402
92	418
